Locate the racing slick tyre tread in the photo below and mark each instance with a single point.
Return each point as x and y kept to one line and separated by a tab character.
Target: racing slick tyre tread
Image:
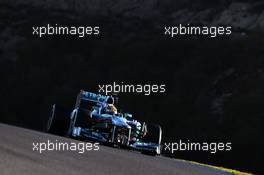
59	121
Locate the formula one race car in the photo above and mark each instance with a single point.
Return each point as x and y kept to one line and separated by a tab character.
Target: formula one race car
93	120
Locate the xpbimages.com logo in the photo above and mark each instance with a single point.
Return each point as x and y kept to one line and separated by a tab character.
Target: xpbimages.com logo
57	30
79	147
146	89
212	147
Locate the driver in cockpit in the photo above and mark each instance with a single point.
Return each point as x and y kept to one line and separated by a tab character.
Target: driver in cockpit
106	108
109	107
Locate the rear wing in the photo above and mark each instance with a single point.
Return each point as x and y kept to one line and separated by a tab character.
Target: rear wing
89	96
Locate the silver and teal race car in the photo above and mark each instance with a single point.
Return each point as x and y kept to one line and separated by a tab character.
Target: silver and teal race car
93	120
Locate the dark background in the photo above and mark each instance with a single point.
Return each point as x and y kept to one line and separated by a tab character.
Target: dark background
214	86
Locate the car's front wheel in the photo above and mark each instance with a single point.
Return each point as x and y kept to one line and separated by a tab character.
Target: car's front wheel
153	135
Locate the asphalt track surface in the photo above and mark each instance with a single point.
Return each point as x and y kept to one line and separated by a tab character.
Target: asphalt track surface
18	158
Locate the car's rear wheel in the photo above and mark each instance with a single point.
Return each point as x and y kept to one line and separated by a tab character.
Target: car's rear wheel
59	121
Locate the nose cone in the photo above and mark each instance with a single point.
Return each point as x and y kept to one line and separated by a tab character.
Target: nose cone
120	121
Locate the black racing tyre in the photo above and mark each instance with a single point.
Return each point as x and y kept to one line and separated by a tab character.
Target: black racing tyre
153	135
59	121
